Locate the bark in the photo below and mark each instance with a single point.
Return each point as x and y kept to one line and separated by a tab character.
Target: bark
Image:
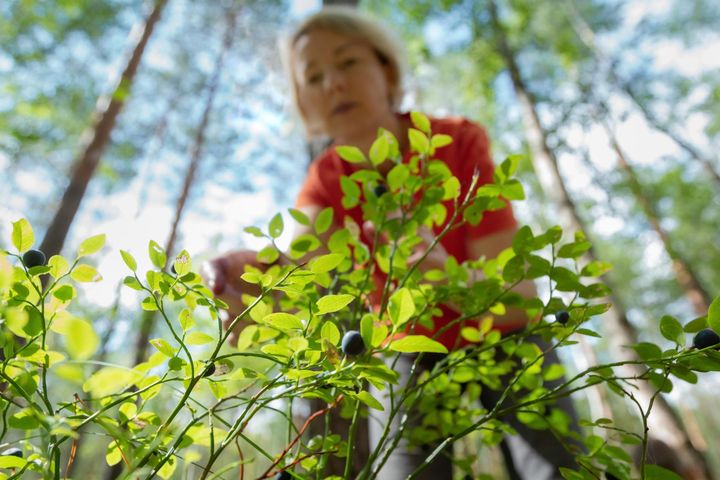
685	274
148	318
348	3
587	36
664	423
97	141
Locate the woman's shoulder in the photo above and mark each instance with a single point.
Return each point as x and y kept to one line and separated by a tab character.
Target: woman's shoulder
455	125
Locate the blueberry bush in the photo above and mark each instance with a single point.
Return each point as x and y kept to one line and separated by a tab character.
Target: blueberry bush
317	332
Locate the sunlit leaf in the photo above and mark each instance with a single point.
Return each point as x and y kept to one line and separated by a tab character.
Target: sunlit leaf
416	344
91	245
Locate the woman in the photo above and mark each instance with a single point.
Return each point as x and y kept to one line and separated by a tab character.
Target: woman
346	77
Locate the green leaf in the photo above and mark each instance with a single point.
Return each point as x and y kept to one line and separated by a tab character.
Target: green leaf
85	273
418	141
596	268
91	245
367	325
333	303
186	320
451	187
696	324
573	250
523	240
401	307
656	472
323	220
416	344
713	316
255	231
11	461
109	380
507	168
397	176
25	419
81	339
512	190
330	332
129	260
647	351
421	121
182	263
149	304
157	254
132	282
303	244
112	453
379	150
276	226
22	235
299	216
268	254
369	400
163	347
350	154
64	293
325	263
440	140
351	192
198	338
283	321
58	266
672	329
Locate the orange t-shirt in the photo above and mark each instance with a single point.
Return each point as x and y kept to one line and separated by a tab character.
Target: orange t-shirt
469	150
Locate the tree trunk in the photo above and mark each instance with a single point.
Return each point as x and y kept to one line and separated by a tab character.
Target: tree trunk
148	317
587	36
664	423
686	276
96	141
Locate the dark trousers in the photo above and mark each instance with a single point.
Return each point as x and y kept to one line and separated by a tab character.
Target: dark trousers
530	455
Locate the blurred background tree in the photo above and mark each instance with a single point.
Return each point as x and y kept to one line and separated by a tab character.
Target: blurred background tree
621	99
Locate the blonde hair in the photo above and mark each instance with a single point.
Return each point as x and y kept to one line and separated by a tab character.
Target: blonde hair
347	21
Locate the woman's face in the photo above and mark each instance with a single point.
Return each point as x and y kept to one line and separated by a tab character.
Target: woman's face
343	88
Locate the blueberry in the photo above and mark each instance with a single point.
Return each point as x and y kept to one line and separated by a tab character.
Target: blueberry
33	258
380	189
562	317
12	452
706	338
352	343
283	476
209	370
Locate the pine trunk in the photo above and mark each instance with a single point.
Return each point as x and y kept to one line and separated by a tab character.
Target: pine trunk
98	139
587	36
148	318
664	423
686	276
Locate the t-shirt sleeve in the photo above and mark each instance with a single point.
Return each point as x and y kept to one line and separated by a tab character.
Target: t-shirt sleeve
312	192
474	150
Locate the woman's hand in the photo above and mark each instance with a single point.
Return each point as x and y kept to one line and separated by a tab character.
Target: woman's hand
222	276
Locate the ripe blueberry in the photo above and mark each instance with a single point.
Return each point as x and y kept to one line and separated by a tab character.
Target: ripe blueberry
706	338
209	370
283	476
12	452
380	189
33	258
352	343
562	317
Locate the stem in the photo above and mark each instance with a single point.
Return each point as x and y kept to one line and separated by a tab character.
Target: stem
351	440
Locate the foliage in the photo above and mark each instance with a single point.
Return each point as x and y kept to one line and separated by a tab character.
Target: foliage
289	346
